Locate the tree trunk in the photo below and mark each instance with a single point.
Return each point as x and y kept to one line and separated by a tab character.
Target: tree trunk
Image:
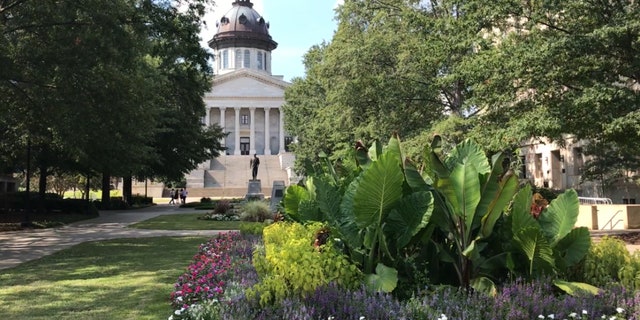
42	181
127	188
106	190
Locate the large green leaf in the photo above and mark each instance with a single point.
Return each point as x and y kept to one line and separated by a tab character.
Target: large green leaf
576	288
485	285
329	198
560	216
411	215
435	165
293	196
379	188
413	178
504	194
521	211
574	246
384	280
463	194
469	152
536	248
491	185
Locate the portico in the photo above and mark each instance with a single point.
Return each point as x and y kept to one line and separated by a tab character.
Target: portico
252	130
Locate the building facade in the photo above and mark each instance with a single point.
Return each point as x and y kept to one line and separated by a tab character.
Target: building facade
549	165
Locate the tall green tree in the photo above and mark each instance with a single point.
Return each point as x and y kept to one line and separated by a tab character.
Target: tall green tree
565	67
103	85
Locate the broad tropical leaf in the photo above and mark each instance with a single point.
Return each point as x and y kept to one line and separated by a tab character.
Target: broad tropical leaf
560	216
293	197
463	193
378	189
575	288
521	211
491	184
502	197
469	152
411	215
329	199
536	248
484	284
414	179
384	280
434	162
574	246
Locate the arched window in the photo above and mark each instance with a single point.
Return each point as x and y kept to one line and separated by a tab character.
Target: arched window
260	60
225	59
247	58
238	59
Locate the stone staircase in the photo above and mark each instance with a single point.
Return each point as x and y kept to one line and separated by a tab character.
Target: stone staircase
228	176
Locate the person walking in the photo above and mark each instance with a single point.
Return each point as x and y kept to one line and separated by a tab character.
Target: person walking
172	195
183	195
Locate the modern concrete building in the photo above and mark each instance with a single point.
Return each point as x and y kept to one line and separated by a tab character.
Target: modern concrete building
550	165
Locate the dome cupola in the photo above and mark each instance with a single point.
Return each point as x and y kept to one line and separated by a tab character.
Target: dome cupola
242	26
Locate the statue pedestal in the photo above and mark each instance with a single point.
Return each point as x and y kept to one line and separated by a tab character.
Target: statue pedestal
254	190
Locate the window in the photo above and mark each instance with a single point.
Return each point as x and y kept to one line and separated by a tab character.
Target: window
265	62
244	119
238	58
225	59
247	58
259	60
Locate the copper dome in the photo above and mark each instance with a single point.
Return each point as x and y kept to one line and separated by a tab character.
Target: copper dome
242	26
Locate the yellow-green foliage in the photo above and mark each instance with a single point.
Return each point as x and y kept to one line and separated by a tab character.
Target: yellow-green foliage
630	273
605	260
289	264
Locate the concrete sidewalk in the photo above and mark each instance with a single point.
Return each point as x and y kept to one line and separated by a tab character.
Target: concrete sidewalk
17	247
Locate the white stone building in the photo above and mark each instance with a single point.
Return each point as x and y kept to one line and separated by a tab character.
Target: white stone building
245	100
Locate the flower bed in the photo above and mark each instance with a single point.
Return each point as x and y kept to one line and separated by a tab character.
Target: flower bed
214	285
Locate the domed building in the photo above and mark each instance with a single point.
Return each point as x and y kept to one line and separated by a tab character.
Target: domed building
245	100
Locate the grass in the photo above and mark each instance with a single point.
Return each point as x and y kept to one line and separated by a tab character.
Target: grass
185	221
115	279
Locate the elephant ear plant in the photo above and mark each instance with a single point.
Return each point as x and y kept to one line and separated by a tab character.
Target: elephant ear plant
470	194
376	214
550	244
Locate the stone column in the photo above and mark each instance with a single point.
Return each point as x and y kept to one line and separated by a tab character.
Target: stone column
222	125
267	138
207	119
252	131
236	151
281	131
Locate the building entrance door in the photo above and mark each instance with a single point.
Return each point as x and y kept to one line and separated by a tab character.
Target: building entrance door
244	146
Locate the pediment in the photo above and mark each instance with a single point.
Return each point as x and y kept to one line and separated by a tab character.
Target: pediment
245	83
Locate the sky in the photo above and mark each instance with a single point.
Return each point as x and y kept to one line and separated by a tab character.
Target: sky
295	25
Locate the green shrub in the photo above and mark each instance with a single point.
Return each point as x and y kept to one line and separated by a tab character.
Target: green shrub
252	228
630	273
604	261
256	211
290	265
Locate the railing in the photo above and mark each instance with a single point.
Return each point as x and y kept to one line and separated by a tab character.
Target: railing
587	200
610	222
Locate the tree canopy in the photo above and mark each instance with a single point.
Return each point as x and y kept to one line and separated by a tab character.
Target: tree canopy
101	87
499	72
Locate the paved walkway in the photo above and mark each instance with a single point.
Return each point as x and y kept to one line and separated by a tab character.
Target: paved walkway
17	247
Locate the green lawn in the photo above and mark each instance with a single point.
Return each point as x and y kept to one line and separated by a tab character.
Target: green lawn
116	279
185	221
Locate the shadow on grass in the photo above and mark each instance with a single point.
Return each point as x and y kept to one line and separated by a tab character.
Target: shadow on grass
185	221
115	279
